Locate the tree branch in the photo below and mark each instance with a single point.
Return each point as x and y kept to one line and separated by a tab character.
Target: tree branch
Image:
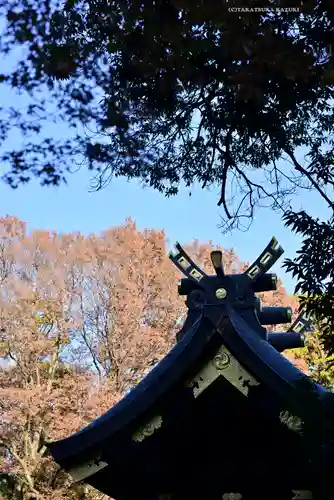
302	170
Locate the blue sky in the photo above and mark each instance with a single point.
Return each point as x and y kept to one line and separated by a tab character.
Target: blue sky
73	208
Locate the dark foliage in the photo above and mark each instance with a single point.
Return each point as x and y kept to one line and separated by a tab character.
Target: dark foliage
314	269
190	91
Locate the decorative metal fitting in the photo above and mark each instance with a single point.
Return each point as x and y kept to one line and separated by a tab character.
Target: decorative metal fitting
221	293
222	361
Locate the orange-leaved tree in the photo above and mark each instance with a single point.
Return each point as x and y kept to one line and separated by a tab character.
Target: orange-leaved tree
81	318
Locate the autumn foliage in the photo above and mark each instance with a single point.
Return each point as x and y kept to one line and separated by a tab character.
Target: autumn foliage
82	317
